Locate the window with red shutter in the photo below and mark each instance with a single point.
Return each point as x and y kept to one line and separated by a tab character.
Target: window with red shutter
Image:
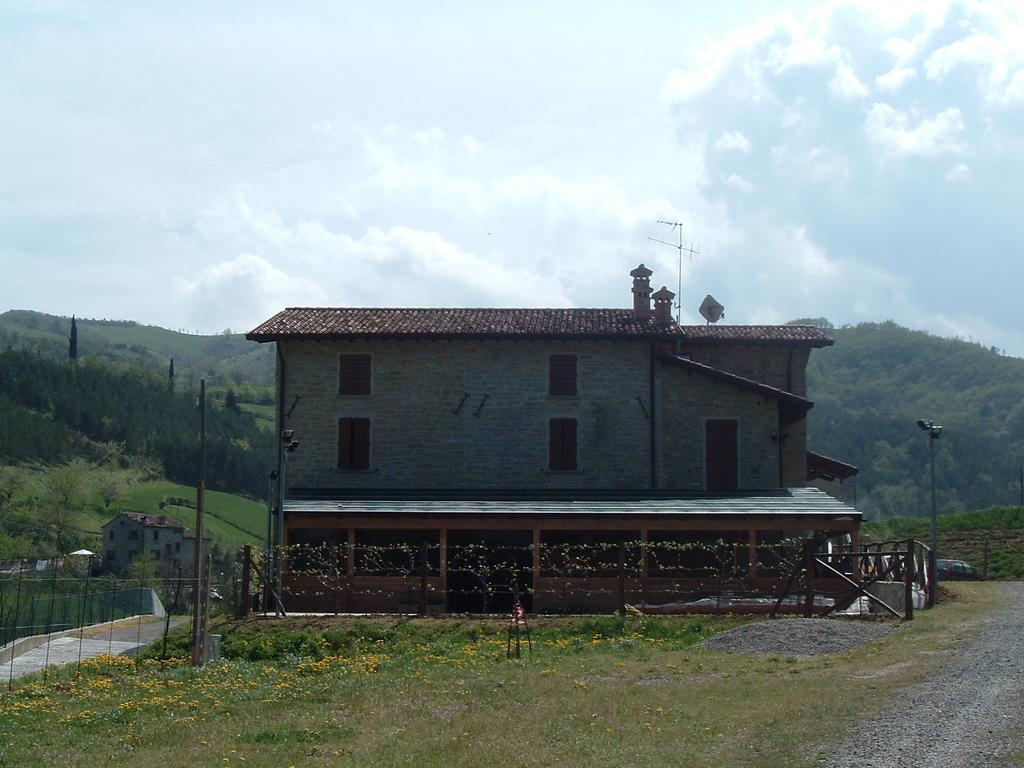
354	374
562	444
562	375
353	443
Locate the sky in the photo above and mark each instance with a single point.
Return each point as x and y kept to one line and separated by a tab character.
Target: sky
201	166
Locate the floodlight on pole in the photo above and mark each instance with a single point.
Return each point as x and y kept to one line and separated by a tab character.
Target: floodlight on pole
934	433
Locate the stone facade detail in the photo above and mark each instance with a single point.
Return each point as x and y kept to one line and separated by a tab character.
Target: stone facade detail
473	414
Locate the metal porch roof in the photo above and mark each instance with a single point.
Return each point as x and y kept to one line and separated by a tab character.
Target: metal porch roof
786	502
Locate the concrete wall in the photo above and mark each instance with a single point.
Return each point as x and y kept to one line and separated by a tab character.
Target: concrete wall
686	401
418	440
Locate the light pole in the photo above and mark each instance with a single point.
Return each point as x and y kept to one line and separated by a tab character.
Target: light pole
934	433
288	445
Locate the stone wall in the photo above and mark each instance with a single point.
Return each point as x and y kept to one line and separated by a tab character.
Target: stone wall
474	414
778	366
498	438
686	401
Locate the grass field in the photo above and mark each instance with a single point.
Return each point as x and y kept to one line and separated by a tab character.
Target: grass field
346	692
999	531
231	520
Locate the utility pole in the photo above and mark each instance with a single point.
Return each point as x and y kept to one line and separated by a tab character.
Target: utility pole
1022	485
198	627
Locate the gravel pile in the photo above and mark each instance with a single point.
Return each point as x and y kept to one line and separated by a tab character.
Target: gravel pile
800	637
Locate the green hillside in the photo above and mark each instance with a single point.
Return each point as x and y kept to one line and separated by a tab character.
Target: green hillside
872	386
54	411
989	539
231	521
225	358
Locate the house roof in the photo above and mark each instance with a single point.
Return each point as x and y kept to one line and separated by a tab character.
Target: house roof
796	502
822	467
800	403
150	521
406	323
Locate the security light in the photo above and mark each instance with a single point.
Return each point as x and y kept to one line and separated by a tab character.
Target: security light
287	434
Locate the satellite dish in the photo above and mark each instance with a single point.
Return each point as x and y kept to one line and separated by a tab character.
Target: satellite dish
711	310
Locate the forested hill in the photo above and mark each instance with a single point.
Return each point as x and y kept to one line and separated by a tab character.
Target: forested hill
54	411
871	388
224	358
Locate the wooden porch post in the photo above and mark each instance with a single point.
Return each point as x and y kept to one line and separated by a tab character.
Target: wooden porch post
643	565
350	564
752	554
536	569
350	569
444	566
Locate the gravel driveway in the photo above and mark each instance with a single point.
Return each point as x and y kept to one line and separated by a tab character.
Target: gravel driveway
965	714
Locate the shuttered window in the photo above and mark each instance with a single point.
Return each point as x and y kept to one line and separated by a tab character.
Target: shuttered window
354	374
562	375
353	443
562	444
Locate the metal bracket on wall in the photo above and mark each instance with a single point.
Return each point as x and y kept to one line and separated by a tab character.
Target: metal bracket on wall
481	406
643	407
294	403
462	402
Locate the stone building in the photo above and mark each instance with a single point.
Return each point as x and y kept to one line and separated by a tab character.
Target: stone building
521	428
133	534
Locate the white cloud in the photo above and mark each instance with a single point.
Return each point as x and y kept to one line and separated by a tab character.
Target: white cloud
894	131
741	183
895	78
846	85
732	141
958	172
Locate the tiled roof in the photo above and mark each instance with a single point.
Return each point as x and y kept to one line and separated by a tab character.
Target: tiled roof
346	322
758	334
824	467
152	521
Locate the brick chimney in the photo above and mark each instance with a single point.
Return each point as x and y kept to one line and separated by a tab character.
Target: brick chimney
663	306
641	292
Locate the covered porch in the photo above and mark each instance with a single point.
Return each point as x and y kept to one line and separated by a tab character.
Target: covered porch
464	552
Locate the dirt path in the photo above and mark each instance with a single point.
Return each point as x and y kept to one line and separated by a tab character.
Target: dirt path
968	713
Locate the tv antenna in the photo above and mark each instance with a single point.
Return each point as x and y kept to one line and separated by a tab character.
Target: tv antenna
677	226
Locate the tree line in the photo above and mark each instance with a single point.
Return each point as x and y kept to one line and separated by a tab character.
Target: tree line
53	411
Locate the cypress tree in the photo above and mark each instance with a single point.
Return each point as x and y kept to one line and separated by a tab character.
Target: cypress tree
73	340
170	374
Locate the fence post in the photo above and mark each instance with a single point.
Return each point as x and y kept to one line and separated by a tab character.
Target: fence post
424	552
809	575
622	578
908	581
243	600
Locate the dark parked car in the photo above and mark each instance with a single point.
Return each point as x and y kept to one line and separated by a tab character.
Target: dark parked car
952	570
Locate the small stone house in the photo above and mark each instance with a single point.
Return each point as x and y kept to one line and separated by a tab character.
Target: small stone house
531	428
134	534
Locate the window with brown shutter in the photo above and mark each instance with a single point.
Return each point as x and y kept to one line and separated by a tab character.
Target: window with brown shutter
354	374
562	444
353	443
562	375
